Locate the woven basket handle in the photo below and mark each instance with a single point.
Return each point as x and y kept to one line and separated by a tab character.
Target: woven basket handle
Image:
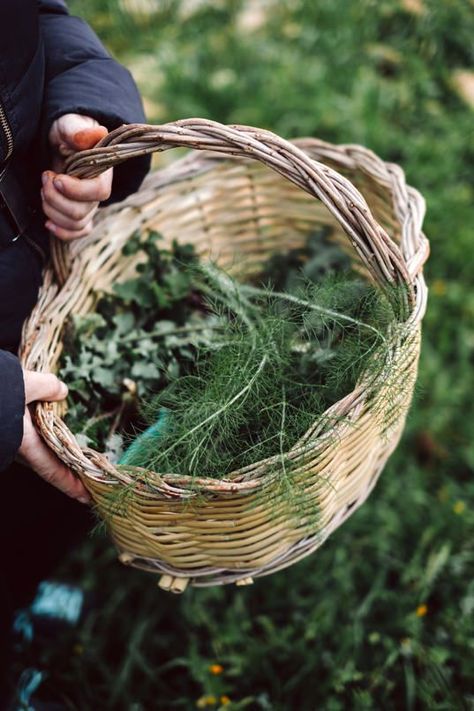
377	251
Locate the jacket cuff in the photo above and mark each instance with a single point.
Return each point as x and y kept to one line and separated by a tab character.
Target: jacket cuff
12	407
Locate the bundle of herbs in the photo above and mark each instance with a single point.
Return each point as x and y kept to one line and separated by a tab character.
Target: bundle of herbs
192	372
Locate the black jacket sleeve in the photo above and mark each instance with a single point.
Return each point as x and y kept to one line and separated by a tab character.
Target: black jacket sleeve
12	407
82	78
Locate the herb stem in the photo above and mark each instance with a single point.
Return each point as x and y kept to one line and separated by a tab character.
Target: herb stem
313	307
282	427
222	409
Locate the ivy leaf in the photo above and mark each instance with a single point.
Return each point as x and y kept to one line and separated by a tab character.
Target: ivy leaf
145	371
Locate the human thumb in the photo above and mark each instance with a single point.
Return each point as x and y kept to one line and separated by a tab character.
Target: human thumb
88	137
75	132
43	386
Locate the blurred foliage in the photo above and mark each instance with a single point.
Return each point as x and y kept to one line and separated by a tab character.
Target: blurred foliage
383	615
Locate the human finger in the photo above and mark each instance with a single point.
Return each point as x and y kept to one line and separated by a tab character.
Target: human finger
68	235
86	189
75	132
88	137
59	219
74	209
43	386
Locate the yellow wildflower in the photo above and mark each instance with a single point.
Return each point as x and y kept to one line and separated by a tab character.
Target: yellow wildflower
204	701
459	507
216	669
224	700
421	610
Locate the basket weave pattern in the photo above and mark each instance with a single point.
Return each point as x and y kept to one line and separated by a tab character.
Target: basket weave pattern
223	198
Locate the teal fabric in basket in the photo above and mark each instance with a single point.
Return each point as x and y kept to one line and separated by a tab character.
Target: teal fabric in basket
153	433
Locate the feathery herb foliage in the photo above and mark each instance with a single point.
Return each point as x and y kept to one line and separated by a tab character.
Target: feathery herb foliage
269	375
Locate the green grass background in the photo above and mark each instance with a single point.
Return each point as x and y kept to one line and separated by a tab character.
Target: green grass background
344	628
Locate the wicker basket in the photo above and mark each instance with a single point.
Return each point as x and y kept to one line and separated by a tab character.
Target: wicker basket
237	211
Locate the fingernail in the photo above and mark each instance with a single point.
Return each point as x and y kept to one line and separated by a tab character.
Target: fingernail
42	194
44	178
58	184
50	226
85	500
64	390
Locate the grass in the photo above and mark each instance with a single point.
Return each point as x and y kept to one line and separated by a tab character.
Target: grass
382	616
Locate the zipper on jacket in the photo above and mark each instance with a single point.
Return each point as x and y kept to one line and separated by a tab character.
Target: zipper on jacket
7	131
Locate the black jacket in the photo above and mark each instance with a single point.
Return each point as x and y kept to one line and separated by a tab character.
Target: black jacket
51	63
